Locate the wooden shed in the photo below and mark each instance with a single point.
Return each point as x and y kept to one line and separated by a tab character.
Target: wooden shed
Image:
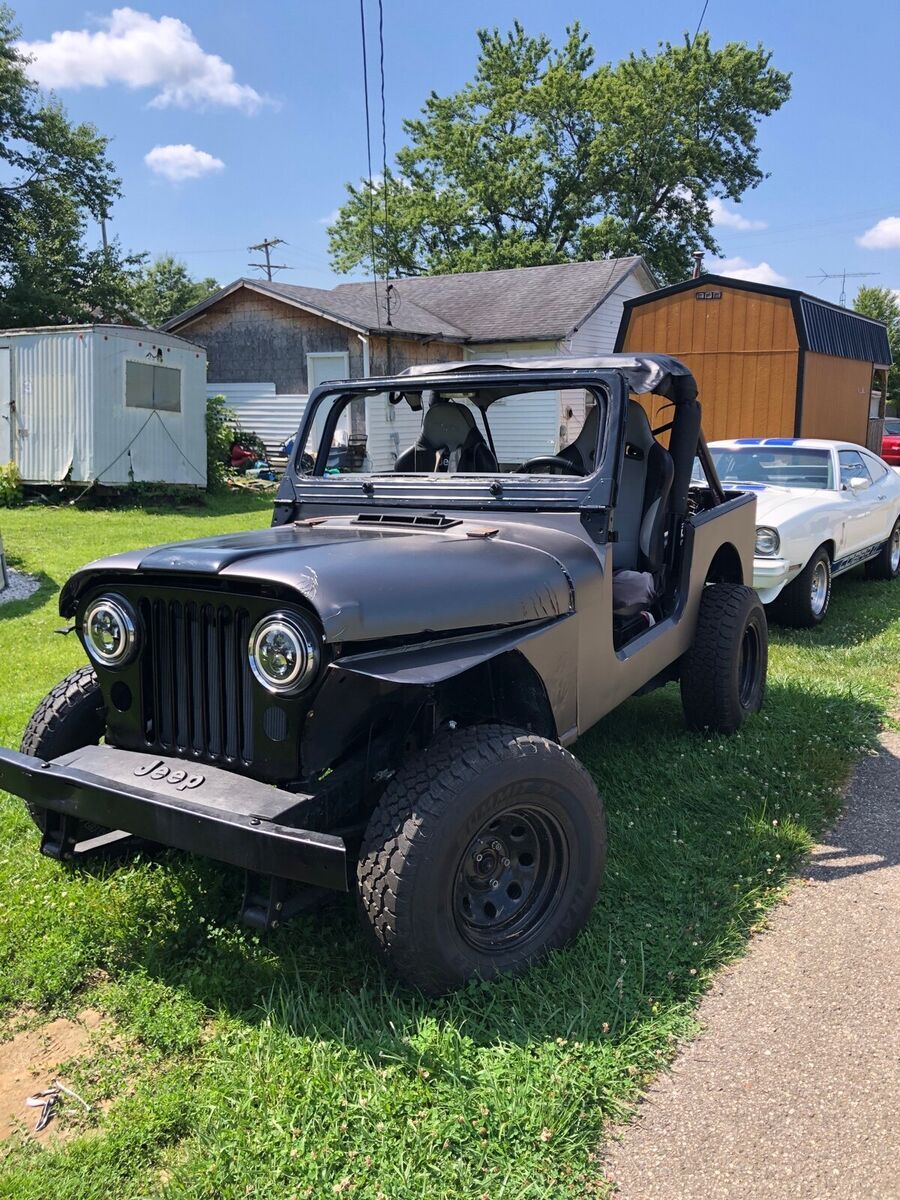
769	361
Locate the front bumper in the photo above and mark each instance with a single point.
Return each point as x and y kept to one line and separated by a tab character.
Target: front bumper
771	575
202	809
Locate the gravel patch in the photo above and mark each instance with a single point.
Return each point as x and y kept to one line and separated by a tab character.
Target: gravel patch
21	586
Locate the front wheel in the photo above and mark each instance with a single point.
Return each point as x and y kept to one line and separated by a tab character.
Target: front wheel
70	716
886	564
804	602
723	675
486	851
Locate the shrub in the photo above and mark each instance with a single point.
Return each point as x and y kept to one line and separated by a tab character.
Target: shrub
10	485
220	421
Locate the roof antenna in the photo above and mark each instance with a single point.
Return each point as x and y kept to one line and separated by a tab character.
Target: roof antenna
697	256
843	276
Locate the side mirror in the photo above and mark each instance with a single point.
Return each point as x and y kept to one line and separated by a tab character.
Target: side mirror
858	483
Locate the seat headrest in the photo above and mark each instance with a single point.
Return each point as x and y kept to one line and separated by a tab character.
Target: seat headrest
447	425
637	428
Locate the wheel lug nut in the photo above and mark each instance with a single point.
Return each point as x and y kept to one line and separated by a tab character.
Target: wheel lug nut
496	846
479	857
495	883
506	862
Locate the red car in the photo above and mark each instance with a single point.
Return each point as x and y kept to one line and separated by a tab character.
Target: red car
890	444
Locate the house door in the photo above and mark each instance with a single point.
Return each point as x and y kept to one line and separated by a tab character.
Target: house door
6	417
320	368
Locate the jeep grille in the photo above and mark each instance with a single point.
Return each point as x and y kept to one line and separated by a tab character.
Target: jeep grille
197	696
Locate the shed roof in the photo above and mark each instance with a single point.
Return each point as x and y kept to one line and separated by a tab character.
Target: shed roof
822	327
519	304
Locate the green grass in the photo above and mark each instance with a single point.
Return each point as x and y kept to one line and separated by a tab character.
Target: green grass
291	1065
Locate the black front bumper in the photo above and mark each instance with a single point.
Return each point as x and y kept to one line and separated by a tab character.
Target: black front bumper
224	816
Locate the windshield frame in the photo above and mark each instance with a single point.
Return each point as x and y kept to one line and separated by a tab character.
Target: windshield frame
491	490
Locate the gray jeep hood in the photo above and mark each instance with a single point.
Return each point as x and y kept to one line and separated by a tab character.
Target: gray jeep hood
365	583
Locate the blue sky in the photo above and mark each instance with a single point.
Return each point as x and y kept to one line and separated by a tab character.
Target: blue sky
270	94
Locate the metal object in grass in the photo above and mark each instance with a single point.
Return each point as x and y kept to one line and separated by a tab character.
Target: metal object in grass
48	1100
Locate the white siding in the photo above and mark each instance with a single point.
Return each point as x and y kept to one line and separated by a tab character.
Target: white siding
275	418
71	419
598	333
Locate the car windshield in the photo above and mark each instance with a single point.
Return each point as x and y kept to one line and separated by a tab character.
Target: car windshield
485	431
892	427
779	466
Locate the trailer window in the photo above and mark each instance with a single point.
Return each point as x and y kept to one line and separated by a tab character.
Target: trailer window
150	386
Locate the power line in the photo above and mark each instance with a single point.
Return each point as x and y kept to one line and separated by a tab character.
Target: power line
384	171
268	266
699	23
369	182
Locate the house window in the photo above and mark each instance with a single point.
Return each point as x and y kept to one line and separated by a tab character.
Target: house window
150	386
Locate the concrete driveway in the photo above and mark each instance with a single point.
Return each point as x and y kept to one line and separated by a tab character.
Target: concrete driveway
793	1090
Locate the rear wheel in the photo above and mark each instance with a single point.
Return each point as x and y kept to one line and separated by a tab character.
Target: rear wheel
804	602
886	564
485	852
723	675
70	716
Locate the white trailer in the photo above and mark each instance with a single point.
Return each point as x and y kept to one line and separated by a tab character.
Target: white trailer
108	404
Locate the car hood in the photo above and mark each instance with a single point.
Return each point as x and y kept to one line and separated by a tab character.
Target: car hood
775	505
364	582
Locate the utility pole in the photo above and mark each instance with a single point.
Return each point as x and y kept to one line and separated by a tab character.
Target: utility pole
843	276
268	266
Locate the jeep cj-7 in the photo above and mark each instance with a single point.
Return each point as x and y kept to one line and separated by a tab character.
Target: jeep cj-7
376	693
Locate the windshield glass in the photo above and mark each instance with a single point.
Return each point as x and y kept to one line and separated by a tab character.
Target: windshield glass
892	426
473	432
779	466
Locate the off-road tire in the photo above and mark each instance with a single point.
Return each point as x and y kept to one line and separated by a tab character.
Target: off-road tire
882	566
720	688
71	715
794	606
422	830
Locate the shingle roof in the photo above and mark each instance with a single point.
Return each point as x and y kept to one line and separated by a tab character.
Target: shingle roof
520	304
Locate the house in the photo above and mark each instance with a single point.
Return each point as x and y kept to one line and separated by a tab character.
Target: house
102	403
769	361
270	344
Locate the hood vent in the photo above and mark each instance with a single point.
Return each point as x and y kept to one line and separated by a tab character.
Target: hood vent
414	520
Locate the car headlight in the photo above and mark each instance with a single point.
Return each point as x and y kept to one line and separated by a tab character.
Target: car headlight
284	653
110	631
768	541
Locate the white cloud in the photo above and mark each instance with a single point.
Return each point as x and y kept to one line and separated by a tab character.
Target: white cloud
740	268
725	217
133	48
331	218
177	163
884	235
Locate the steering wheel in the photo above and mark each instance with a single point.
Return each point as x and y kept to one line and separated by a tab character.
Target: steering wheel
547	464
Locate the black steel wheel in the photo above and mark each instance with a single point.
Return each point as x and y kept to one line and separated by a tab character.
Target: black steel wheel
509	878
723	675
70	716
486	851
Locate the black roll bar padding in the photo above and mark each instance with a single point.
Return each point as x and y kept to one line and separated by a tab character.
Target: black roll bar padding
683	447
709	470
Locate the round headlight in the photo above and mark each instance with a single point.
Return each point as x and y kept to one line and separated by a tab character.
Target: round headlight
767	540
284	653
109	631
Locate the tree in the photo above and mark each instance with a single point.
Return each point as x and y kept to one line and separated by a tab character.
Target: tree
164	289
56	176
884	305
545	157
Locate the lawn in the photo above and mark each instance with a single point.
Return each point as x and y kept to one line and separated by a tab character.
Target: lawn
291	1065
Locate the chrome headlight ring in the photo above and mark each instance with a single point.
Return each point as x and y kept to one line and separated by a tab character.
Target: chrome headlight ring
109	629
768	541
284	653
